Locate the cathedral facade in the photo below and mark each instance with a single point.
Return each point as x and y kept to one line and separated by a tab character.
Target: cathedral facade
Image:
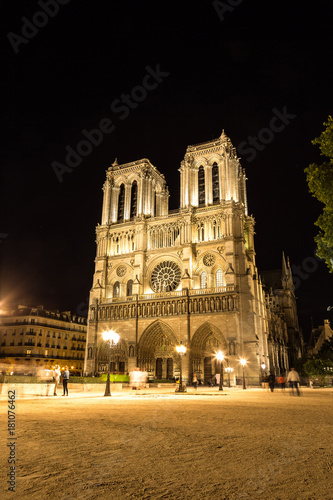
187	276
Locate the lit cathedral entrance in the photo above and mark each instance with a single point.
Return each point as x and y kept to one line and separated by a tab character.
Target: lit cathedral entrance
157	351
206	342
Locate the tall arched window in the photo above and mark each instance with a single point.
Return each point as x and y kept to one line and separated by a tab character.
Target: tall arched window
129	288
203	280
121	203
201	232
116	289
134	200
201	186
215	178
219	278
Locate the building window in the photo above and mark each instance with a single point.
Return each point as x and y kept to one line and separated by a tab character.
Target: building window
121	203
201	186
219	278
116	289
215	178
201	232
134	200
203	280
129	290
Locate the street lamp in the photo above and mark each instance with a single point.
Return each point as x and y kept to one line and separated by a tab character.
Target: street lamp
220	357
113	338
229	370
181	349
243	363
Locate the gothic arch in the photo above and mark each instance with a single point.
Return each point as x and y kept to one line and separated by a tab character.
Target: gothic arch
157	341
208	339
118	354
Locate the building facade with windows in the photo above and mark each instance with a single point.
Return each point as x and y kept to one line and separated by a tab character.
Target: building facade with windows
183	276
33	338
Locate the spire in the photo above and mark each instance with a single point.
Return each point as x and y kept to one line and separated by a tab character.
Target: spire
284	266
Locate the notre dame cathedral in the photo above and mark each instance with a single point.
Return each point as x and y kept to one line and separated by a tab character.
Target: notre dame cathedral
187	276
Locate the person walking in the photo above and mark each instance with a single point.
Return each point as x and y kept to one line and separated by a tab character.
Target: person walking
56	378
271	381
195	381
294	380
65	378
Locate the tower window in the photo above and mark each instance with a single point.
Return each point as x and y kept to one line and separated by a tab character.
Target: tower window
116	289
215	178
129	290
121	203
134	200
219	278
203	280
201	186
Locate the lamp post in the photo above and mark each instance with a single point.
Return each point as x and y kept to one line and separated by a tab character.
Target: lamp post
243	363
220	357
181	349
113	338
229	370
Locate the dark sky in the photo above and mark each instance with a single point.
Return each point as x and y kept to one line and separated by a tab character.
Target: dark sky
233	70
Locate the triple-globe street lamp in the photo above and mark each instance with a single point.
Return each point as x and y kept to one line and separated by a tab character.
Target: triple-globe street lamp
113	338
181	349
220	357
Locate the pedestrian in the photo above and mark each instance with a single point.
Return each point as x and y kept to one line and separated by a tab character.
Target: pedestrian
271	381
282	382
265	382
294	380
65	378
56	378
195	381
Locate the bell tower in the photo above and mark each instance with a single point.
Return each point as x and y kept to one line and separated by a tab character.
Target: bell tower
210	174
133	190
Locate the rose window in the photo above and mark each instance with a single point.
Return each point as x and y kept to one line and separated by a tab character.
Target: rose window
121	271
165	277
209	260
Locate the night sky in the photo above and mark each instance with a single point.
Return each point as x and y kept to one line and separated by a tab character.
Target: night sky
233	68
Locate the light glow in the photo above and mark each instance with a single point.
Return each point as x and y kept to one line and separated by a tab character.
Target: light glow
111	336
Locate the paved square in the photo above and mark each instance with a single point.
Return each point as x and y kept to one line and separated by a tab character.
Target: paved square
154	444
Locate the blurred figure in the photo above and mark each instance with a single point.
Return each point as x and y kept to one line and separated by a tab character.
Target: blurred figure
65	378
56	378
265	382
195	381
143	378
271	381
294	380
282	382
135	378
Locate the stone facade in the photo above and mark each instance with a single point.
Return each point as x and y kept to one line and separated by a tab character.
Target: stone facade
184	276
32	338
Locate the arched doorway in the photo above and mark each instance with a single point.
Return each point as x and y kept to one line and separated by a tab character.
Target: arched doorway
118	357
206	342
157	351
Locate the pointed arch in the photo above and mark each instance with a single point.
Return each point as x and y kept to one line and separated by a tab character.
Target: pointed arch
215	182
121	203
201	186
134	200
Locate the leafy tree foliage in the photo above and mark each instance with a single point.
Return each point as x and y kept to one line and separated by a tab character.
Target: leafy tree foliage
320	182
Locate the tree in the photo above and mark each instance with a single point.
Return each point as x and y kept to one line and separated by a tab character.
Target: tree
320	182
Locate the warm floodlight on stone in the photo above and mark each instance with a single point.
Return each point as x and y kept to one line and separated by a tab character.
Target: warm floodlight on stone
181	349
243	363
220	357
229	370
113	339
